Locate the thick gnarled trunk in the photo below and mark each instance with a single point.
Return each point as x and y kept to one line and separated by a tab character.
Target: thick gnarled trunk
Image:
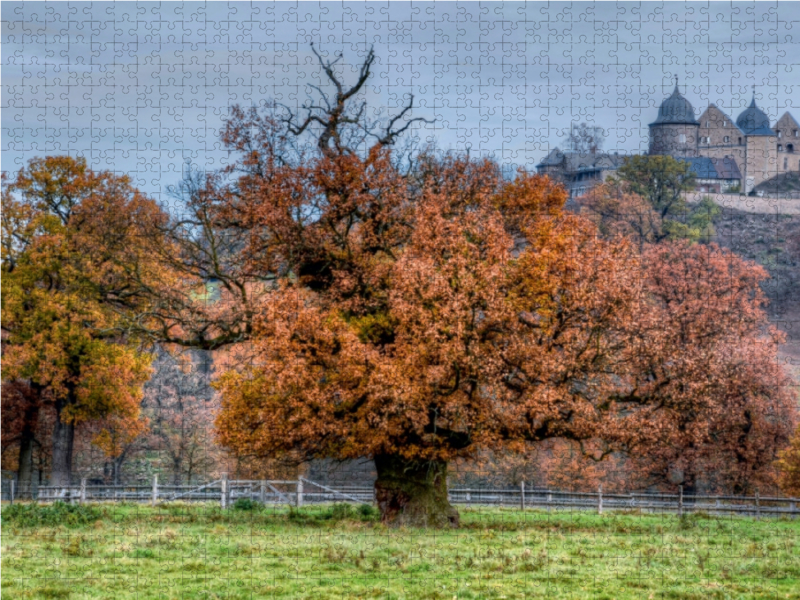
63	441
413	494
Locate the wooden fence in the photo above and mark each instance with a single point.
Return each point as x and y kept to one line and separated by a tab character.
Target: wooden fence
302	492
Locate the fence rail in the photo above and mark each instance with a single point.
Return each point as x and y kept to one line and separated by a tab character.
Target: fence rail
305	492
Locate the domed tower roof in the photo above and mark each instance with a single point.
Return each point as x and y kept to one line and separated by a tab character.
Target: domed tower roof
753	121
675	110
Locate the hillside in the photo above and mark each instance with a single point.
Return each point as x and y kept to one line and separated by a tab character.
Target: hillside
772	240
787	182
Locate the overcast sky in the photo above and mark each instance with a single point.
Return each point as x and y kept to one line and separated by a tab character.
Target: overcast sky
141	88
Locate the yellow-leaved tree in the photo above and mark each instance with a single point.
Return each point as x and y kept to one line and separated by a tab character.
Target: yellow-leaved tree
71	237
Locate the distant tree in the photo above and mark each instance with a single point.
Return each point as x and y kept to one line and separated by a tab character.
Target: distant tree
180	405
555	463
618	210
647	202
584	138
661	180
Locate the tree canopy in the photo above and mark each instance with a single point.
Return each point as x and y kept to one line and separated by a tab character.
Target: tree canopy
646	202
67	233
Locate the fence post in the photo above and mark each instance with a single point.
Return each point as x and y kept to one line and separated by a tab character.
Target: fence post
549	500
300	492
11	501
758	508
154	499
680	500
223	500
262	492
600	499
522	495
83	491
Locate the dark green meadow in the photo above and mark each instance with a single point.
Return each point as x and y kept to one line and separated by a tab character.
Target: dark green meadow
182	551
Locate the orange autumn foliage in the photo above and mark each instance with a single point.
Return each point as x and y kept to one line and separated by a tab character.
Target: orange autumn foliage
788	466
707	360
420	320
424	333
69	234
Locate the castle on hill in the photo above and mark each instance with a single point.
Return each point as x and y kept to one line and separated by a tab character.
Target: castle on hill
725	155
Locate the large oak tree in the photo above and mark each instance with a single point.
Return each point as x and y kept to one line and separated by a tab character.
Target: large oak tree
414	315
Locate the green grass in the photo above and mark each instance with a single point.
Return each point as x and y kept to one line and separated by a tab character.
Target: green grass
185	552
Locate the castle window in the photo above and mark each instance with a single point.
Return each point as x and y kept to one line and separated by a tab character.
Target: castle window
785	163
682	138
724	123
726	139
780	134
740	140
780	148
795	133
790	147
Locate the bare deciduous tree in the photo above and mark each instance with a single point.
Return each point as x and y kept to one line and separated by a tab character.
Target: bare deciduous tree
584	138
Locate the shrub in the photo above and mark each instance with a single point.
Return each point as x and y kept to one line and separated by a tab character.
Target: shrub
368	512
341	511
332	514
58	513
246	504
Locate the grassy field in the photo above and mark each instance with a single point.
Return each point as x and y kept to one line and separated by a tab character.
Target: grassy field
185	552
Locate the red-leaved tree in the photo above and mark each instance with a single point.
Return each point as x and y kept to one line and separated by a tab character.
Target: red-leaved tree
707	360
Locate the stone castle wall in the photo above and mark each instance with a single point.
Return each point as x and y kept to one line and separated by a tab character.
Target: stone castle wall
673	139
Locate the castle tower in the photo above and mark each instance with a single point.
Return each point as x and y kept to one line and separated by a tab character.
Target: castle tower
675	131
761	141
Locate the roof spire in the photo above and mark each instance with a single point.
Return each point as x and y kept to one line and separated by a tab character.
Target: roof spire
753	101
676	84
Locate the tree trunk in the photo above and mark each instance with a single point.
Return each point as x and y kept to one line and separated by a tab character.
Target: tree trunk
117	462
25	469
26	444
63	441
177	467
413	494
